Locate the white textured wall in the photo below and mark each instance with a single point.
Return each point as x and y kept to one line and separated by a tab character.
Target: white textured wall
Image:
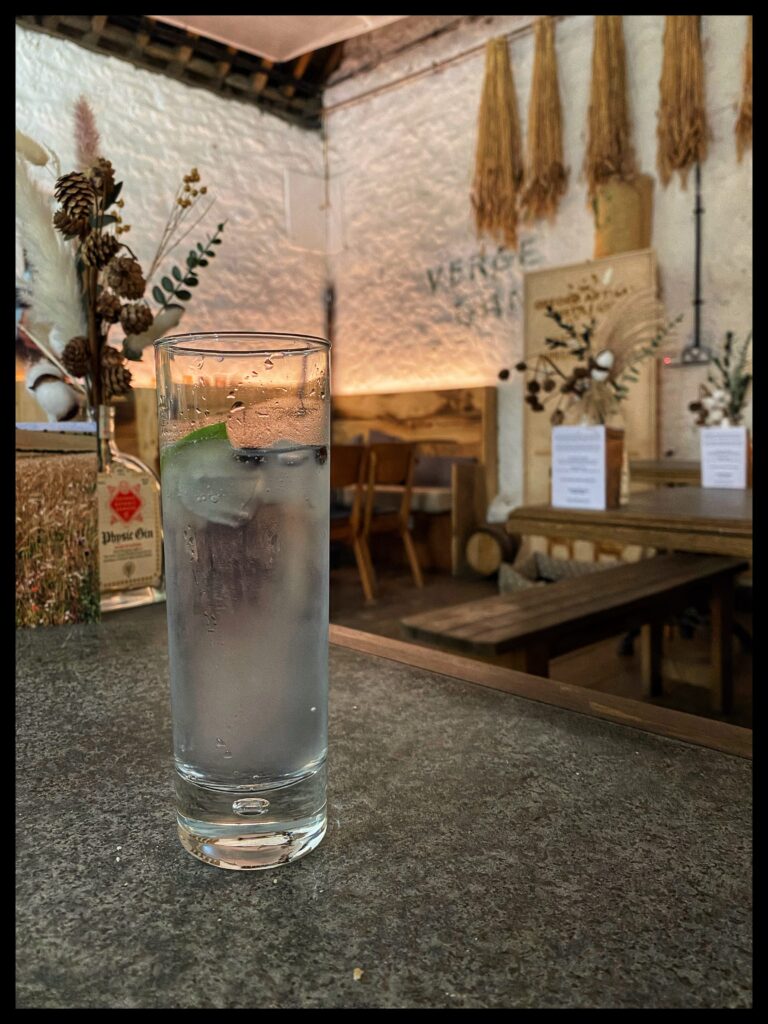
154	129
405	161
401	164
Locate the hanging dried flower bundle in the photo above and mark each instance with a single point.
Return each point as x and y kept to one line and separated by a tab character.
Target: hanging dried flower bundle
605	358
546	177
722	399
610	153
498	159
743	127
85	279
682	118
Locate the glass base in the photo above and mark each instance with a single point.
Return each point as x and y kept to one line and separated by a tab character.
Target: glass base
251	828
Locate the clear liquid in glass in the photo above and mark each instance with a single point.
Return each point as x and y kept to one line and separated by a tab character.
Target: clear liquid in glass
246	549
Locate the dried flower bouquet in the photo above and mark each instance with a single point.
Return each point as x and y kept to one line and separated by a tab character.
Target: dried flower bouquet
84	278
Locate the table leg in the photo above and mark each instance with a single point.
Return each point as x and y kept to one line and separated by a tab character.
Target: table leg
721	606
651	643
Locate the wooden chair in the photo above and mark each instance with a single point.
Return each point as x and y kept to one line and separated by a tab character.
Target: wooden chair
348	462
392	465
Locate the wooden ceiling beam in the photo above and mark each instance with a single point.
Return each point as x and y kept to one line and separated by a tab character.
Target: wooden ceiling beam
298	70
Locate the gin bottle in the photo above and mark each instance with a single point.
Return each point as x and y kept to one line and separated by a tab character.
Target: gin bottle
129	523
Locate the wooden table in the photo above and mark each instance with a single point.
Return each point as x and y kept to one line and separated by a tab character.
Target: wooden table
708	520
665	472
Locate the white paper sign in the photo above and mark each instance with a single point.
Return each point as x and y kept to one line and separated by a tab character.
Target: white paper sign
578	467
724	457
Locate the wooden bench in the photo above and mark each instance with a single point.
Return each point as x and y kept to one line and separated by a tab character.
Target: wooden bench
528	628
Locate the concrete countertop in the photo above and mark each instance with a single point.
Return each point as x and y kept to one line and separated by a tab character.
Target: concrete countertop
483	851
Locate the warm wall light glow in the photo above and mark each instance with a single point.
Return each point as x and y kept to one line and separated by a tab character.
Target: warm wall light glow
143	371
399	386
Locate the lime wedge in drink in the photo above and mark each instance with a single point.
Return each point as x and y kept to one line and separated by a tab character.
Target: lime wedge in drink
213	432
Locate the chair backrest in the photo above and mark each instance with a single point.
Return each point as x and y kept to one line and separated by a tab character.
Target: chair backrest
347	464
392	463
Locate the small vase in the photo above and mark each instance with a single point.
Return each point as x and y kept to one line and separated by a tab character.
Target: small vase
130	530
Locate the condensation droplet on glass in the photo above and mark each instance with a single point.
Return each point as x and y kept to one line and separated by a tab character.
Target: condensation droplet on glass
236	408
199	363
268	363
220	742
190	542
232	393
313	708
214	498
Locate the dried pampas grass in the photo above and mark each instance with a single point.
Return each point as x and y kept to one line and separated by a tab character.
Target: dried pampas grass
610	153
631	329
682	118
743	127
54	287
546	177
87	141
498	158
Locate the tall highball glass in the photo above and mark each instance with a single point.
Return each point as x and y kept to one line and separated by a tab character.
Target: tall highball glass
244	439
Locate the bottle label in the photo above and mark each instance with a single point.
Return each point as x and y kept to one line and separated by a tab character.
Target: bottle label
130	538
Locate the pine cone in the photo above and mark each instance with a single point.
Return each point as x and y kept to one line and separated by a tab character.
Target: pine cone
124	276
108	307
136	317
98	249
115	378
102	174
76	357
69	226
75	193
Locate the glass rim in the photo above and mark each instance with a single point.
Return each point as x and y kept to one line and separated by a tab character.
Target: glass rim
184	344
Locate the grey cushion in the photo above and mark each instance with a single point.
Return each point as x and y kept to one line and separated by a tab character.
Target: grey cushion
554	569
511	580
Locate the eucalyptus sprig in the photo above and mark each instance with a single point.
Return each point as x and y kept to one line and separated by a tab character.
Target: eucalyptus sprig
724	398
173	290
735	382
